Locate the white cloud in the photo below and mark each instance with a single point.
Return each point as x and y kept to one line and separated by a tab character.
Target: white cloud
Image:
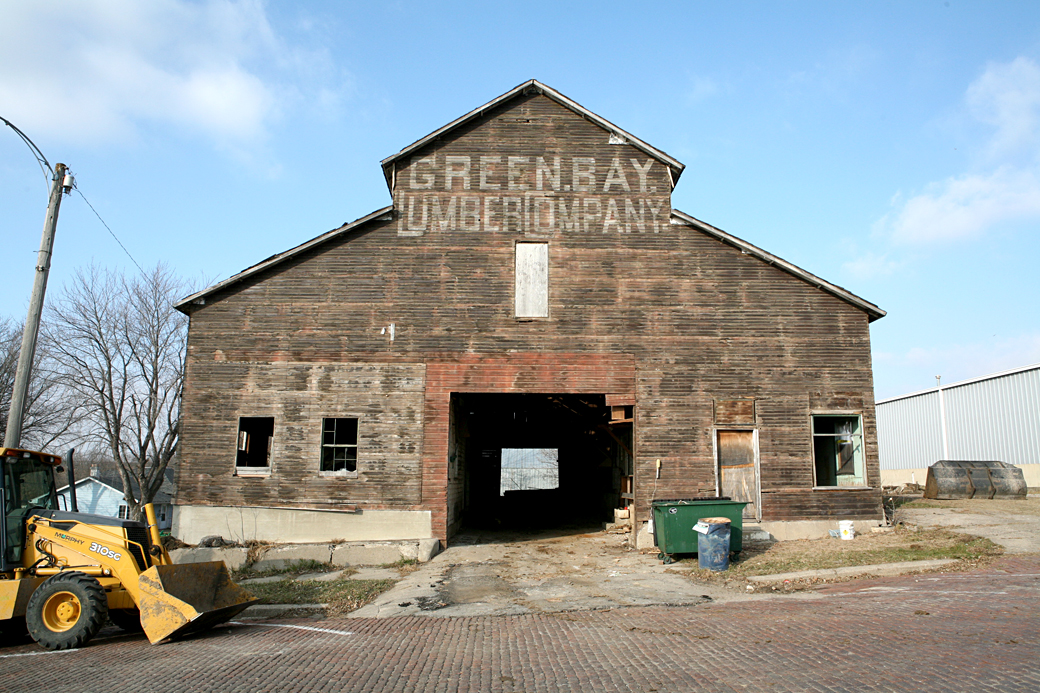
968	206
701	88
99	70
963	361
870	266
1007	98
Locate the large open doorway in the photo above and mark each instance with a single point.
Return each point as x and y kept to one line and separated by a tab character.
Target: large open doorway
537	461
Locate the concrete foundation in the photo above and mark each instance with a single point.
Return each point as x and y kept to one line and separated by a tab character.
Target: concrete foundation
812	529
290	526
346	554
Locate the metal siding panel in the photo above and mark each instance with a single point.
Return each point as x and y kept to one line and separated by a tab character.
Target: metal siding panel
993	419
996	419
909	435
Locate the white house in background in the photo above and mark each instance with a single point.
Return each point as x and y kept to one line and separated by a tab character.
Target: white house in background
99	498
995	417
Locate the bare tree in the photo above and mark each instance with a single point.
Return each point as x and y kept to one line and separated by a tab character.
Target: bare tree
48	415
118	345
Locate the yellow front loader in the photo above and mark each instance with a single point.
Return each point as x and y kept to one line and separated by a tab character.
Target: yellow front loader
68	572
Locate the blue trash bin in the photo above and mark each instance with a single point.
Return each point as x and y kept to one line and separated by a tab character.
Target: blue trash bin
713	543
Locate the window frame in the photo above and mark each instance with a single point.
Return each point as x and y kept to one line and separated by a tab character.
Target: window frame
246	470
356	445
864	483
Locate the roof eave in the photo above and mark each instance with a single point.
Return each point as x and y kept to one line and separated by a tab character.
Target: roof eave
962	383
873	312
185	305
527	87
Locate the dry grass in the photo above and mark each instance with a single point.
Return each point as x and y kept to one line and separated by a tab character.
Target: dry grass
900	544
291	569
341	596
403	566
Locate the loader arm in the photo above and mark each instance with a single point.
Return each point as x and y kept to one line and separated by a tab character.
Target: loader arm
173	599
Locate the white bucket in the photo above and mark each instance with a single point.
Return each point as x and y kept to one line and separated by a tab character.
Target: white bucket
847	529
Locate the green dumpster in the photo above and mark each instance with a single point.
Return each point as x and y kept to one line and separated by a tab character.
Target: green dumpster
674	521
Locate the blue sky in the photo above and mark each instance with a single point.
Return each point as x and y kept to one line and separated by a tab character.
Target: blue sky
891	148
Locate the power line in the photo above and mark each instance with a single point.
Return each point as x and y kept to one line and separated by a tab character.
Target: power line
40	158
76	188
42	161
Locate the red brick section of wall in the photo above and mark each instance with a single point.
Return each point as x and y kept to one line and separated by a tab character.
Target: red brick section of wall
515	373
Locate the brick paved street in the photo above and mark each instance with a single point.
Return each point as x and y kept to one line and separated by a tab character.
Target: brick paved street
960	632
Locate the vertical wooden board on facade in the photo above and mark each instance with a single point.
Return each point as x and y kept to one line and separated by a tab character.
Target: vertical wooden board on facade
734	411
738	476
532	280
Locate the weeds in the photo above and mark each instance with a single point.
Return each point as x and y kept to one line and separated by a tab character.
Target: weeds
403	566
290	569
341	595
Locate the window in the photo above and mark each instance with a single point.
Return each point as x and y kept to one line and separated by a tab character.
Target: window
838	451
255	438
529	469
124	512
339	442
532	280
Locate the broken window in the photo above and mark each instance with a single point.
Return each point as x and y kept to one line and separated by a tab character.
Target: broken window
529	469
838	450
255	437
532	280
339	443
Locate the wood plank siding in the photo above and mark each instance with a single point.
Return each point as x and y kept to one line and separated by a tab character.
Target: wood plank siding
383	321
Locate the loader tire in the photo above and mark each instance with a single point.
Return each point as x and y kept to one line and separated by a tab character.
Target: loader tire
66	611
128	620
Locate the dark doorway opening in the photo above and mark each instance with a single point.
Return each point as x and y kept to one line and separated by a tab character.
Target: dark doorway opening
536	461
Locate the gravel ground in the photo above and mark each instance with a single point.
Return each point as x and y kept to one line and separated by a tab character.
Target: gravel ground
1014	524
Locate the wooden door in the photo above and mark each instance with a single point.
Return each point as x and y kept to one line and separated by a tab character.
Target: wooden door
738	476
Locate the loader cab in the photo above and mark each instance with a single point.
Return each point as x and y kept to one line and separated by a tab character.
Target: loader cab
27	485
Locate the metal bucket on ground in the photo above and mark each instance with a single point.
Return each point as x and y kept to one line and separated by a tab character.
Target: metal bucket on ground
713	535
178	599
957	479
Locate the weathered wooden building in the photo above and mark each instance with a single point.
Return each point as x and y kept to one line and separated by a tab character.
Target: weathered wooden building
530	288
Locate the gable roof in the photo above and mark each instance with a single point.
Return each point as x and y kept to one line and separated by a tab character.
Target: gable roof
93	481
533	86
872	311
110	479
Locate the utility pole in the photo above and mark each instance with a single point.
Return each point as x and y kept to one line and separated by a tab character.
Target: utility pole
62	182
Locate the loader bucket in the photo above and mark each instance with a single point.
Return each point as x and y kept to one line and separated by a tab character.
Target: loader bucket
175	600
951	480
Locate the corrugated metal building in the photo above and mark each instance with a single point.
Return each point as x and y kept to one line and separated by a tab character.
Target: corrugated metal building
995	417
